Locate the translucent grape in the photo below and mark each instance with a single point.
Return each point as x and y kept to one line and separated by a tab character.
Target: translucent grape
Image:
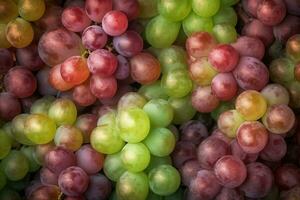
183	109
8	10
275	94
130	100
29	154
194	23
206	8
114	23
174	10
225	33
250	46
96	9
75	19
113	166
200	44
31	10
203	99
17	125
227	15
68	137
153	91
229	122
63	111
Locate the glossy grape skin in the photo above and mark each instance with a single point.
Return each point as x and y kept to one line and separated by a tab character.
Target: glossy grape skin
200	44
225	14
229	122
251	7
96	9
123	69
99	187
279	119
275	94
86	123
275	149
194	23
202	72
250	46
47	177
237	151
158	161
271	12
224	86
9	106
258	182
59	159
94	37
105	139
82	95
114	23
57	45
5	144
177	83
31	10
63	111
153	91
193	131
51	18
293	47
156	29
45	192
251	105
68	137
203	99
251	73
145	69
174	10
130	8
206	8
75	19
204	186
225	33
183	152
41	151
183	109
132	186
252	136
131	100
9	11
113	166
17	126
128	44
188	171
56	81
29	58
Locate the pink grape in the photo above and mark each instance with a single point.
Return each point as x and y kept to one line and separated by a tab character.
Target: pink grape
94	37
128	44
204	100
114	23
96	9
250	46
224	86
103	87
75	19
82	94
130	7
271	12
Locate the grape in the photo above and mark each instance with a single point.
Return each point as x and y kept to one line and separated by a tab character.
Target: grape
99	188
294	90
96	9
275	149
113	166
108	118
188	171
220	135
177	83
282	70
123	69
41	151
69	137
103	87
4	44
8	10
229	122
106	139
20	82
204	186
134	124
200	44
7	60
292	6
29	154
279	119
251	105
203	100
131	100
31	10
225	33
183	109
258	182
79	183
227	193
206	8
237	151
250	46
156	31
287	176
82	95
227	15
174	10
27	102
128	44
148	9
251	6
94	37
252	136
158	161
75	19
153	91
145	69
224	86
18	124
123	89
257	29
57	45
164	180
56	81
193	131
59	159
48	177
5	144
9	194
28	57
202	72
51	18
135	157
194	23
63	111
287	28
183	152
9	106
114	23
271	12
15	165
293	47
131	8
275	94
132	186
41	106
86	123
45	192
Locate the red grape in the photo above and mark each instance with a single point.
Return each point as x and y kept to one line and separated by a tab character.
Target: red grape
204	100
6	61
56	81
51	18
94	37
193	131
227	193
128	44
123	69
86	123
250	46
96	9
183	151
9	106
82	95
287	28
224	86
217	133
200	44
114	23
271	12
75	19
238	152
48	177
130	7
275	149
250	6
103	87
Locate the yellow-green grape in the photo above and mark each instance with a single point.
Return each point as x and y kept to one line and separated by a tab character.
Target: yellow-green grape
229	121
225	33
31	10
19	33
227	15
131	100
183	109
17	129
206	8
7	128
174	10
3	41
113	166
153	91
194	23
63	111
41	106
108	118
251	105
5	144
8	11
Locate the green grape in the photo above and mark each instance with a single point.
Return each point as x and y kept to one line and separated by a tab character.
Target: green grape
5	144
132	186
9	194
225	33
2	181
152	196
8	131
29	153
17	128
159	112
178	195
157	161
183	109
177	83
108	118
164	180
282	70
229	121
153	91
206	8
229	2
226	15
113	166
3	41
174	10
224	106
19	33
31	10
130	100
63	111
15	165
135	157
39	128
8	11
161	33
134	124
41	106
194	23
19	185
69	137
294	90
148	8
160	142
106	139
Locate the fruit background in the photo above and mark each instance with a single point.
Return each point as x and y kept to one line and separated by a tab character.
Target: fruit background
149	99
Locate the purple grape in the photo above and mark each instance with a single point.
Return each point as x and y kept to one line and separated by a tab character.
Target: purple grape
99	188
94	37
128	44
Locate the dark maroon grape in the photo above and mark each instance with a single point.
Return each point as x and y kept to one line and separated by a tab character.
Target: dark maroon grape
44	87
293	7
130	7
123	69
193	131
94	37
6	61
275	149
287	176
188	171
250	6
99	188
48	177
183	151
128	44
287	28
271	12
29	57
9	106
291	194
229	194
